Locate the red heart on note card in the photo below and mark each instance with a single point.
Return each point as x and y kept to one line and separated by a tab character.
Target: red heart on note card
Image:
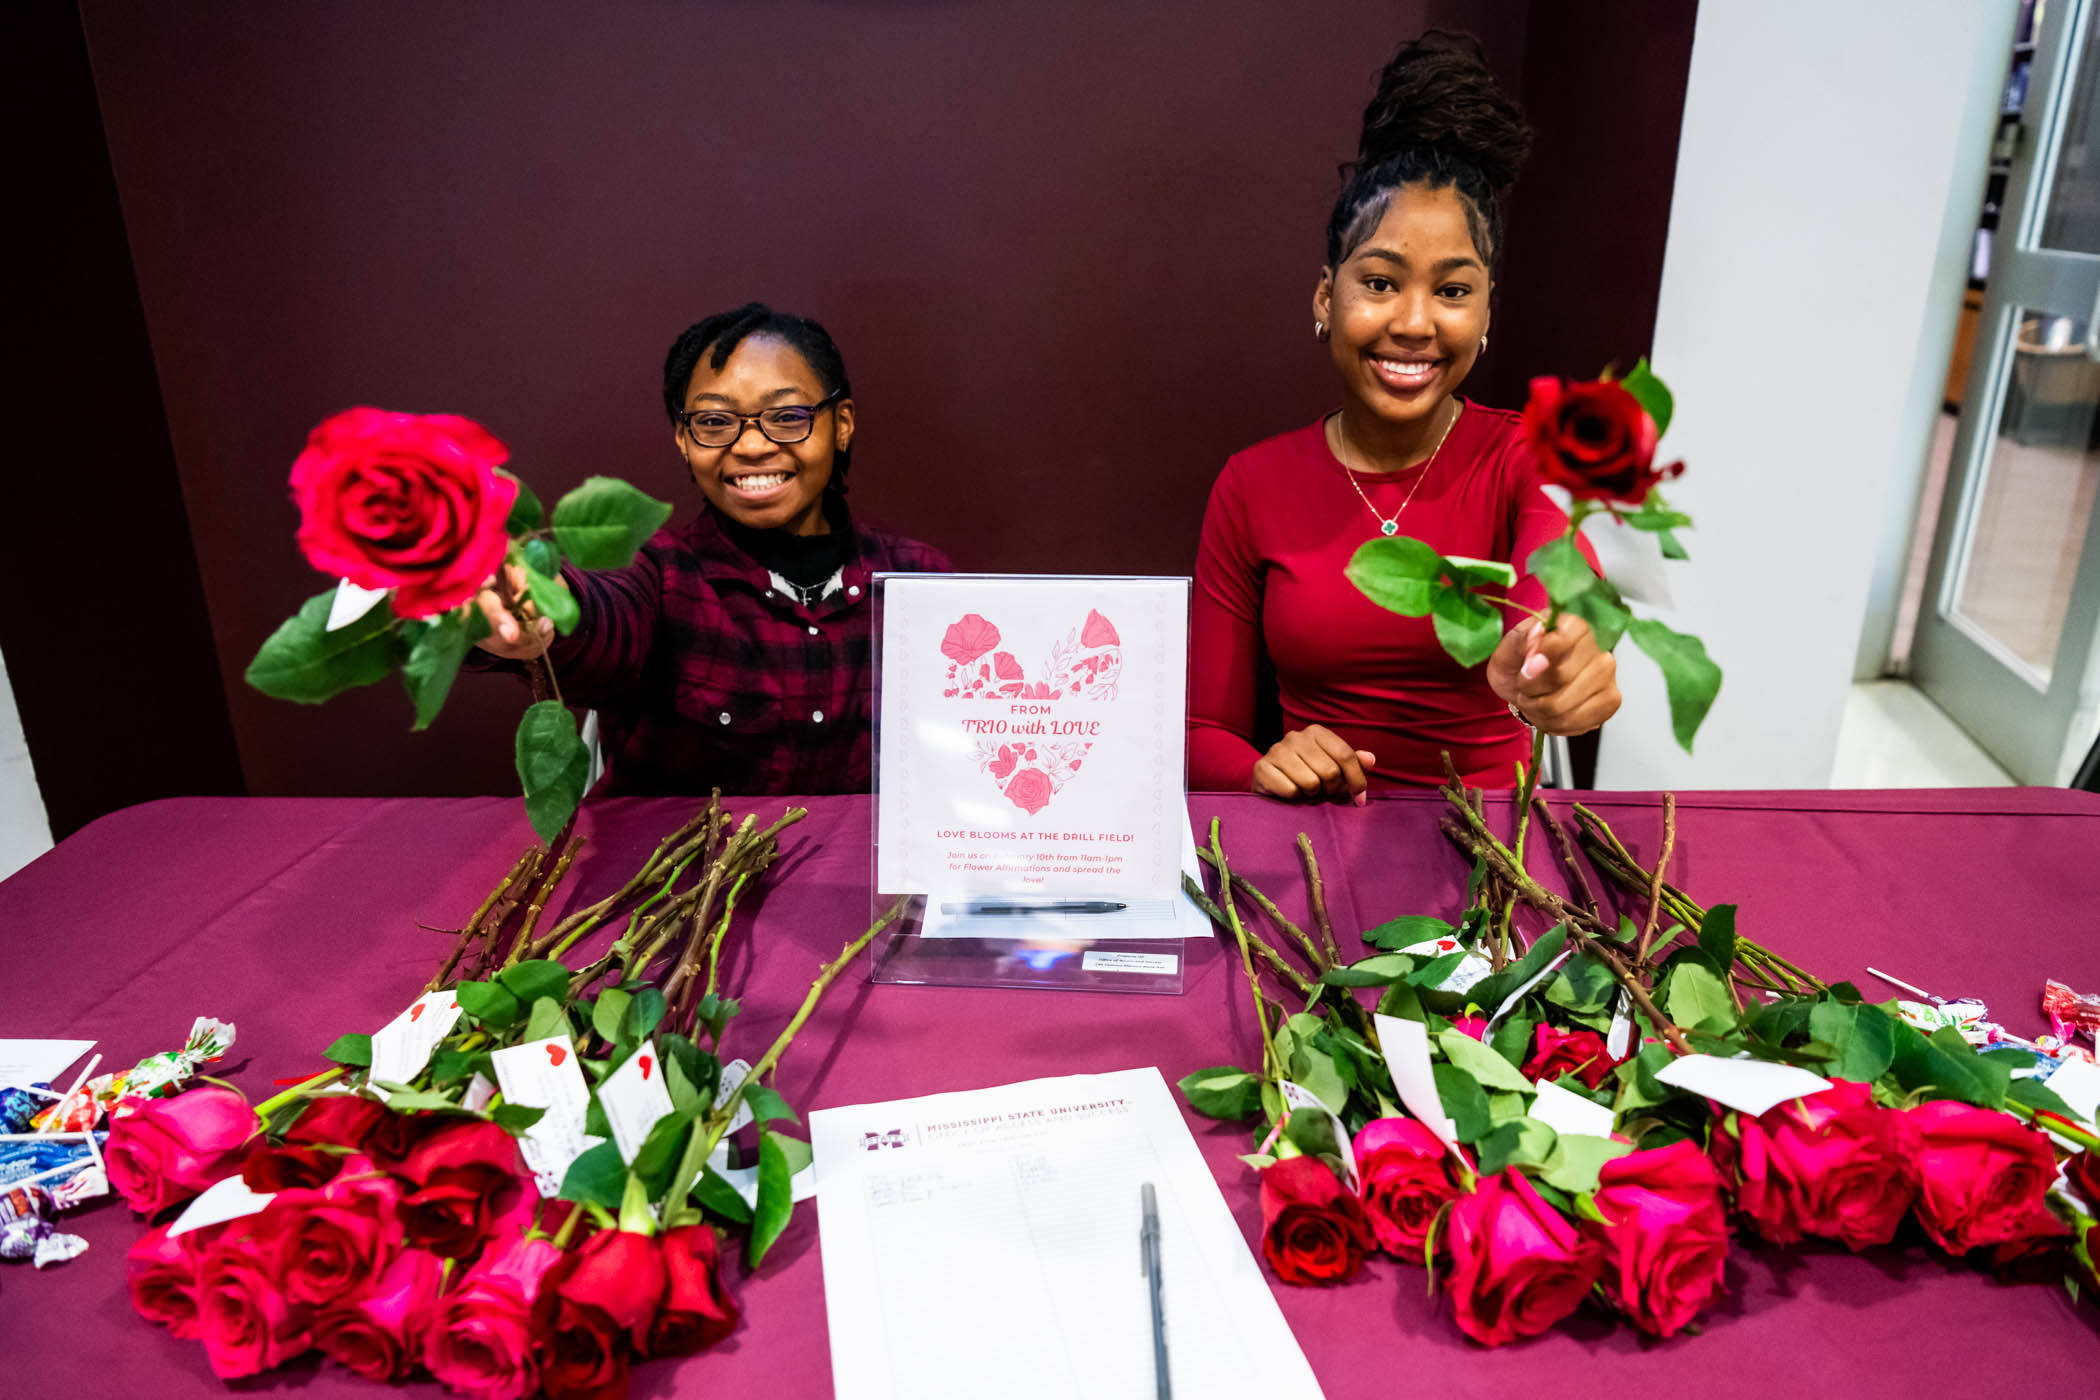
555	1054
644	1059
415	1013
1031	768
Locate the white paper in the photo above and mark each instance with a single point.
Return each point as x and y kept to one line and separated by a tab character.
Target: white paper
1304	1100
1620	1038
1509	1002
744	1180
225	1200
1570	1113
481	1092
402	1046
2077	1083
544	1074
634	1098
1031	736
350	603
1406	1047
28	1062
986	1243
1747	1086
1474	966
733	1075
1151	964
1173	916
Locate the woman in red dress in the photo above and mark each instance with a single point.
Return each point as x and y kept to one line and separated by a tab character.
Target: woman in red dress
1369	697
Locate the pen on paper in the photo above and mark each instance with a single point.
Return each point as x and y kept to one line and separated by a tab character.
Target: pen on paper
1148	1251
1068	906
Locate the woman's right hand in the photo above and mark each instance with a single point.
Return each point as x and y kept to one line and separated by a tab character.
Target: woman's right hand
1313	764
506	638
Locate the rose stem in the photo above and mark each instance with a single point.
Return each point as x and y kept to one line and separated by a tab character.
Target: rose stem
523	940
588	915
1316	896
460	942
1655	882
714	940
303	1089
1268	906
1527	788
1565	845
1217	916
1232	918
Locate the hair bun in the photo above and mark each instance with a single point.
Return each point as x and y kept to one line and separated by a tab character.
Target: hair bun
1438	94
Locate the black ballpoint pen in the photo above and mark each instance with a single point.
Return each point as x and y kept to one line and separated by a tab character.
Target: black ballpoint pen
1148	1249
1062	906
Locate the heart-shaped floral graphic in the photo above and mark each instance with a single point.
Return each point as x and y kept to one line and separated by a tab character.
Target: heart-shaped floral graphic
555	1054
1086	665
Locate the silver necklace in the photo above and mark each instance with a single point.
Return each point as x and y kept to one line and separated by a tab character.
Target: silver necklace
1389	526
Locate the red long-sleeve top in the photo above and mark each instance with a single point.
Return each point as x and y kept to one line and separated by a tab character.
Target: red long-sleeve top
1281	526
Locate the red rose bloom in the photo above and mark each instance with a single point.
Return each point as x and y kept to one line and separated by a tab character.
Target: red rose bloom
1517	1266
166	1150
247	1323
271	1167
338	1120
2083	1172
1667	1239
1475	1026
1832	1164
478	1340
1400	1164
405	501
1029	790
1594	438
1558	1052
331	1244
601	1297
697	1310
379	1335
468	1182
1982	1176
1312	1229
161	1274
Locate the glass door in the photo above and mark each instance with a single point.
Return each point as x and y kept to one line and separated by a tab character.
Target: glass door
2007	638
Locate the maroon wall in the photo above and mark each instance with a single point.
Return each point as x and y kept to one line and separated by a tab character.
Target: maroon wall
1068	249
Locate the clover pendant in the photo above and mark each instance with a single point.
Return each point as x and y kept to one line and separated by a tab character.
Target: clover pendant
1388	528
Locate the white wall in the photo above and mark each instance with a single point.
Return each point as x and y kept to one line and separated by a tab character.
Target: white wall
1825	149
25	834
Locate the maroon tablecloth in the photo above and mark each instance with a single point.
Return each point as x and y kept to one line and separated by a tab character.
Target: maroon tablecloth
300	919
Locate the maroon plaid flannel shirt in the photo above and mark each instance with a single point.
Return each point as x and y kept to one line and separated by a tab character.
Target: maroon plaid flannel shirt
704	674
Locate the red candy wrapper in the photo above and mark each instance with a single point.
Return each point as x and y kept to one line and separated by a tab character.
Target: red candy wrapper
2070	1011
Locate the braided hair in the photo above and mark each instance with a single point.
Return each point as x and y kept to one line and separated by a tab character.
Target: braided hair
1441	120
717	338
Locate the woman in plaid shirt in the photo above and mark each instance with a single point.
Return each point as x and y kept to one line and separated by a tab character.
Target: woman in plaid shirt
735	652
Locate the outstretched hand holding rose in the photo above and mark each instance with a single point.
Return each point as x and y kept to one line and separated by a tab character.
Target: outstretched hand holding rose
1560	681
507	637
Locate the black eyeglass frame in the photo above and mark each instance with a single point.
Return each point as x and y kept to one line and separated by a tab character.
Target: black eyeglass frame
685	419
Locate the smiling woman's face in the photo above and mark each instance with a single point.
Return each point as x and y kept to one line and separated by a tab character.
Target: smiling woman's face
1407	308
755	481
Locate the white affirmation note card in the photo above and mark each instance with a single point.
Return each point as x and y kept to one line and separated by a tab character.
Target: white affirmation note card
1031	736
986	1243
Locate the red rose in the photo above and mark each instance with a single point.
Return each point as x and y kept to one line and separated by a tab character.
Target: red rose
1400	1164
1517	1266
166	1150
1832	1164
1558	1052
405	501
1312	1229
247	1323
468	1183
2083	1172
1595	439
2031	1259
598	1299
1982	1176
1029	790
478	1340
162	1276
338	1120
271	1167
331	1244
1475	1026
697	1310
1098	631
1667	1239
379	1334
967	639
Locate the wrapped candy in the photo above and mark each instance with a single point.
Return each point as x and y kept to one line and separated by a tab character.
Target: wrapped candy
20	1107
155	1077
22	1161
2070	1012
26	1231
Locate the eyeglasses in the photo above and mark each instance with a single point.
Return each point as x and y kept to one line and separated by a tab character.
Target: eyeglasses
718	427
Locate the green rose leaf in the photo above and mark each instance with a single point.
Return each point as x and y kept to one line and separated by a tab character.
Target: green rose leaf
435	649
799	1154
1717	936
489	1003
2039	1096
603	522
546	1020
1576	1160
554	600
597	1177
657	1158
1469	626
644	1014
515	1118
1378	970
714	1012
1396	574
541	557
1559	565
1512	1039
525	513
1523	1142
775	1197
1944	1067
1463	1099
607	1012
1472	573
529	981
1320	1074
305	662
1696	997
1434	972
1690	677
1226	1092
721	1198
350	1050
1488	1068
553	764
1492	991
1651	393
1407	930
1671	546
690	1074
1863	1037
766	1105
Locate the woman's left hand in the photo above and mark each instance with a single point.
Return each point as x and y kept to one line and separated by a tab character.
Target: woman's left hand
1559	681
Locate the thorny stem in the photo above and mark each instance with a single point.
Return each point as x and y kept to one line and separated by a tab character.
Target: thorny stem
1274	959
1655	881
1316	896
1268	906
473	925
1578	877
1232	919
523	941
591	914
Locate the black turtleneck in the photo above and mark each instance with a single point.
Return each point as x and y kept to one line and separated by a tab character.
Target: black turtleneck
803	560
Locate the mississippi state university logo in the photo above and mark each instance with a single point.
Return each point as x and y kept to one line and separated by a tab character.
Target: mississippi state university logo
875	1142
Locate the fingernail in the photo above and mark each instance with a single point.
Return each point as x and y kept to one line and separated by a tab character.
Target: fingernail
1537	626
1361	799
1533	666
